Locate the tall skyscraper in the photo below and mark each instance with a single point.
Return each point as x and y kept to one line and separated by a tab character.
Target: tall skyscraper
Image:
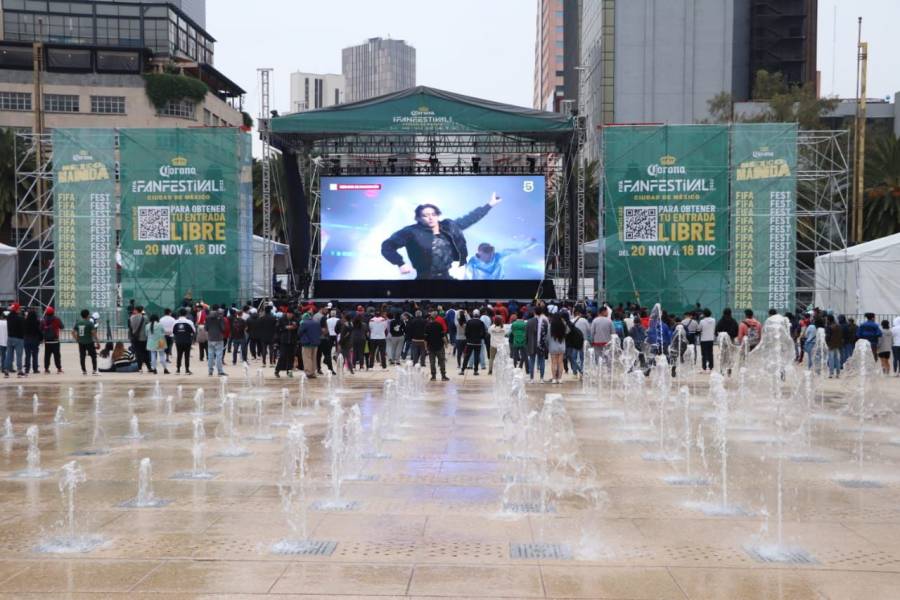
310	91
377	67
662	61
556	53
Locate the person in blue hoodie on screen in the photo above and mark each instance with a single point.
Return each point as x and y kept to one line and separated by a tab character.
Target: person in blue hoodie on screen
488	262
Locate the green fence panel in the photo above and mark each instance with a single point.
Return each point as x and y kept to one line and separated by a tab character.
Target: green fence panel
182	211
666	223
84	235
764	196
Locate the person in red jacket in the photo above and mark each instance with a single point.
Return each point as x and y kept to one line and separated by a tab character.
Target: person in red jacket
502	312
51	325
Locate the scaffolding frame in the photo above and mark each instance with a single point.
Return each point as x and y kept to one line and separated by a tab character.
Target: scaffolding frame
266	163
33	218
823	188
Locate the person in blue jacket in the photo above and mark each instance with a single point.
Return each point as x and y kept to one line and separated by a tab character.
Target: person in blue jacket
659	335
870	331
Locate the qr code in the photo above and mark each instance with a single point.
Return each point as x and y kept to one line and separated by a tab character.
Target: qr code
153	223
641	225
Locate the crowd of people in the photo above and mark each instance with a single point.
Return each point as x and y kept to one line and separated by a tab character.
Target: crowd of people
548	339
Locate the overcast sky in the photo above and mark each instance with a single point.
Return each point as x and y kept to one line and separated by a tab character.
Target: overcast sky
483	48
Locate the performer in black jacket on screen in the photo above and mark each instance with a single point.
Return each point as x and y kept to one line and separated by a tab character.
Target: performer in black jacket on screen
432	244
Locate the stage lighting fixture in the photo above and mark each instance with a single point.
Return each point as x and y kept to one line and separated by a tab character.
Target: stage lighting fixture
433	161
531	164
335	166
392	165
476	164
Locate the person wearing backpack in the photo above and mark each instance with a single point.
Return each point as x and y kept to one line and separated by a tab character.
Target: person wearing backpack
575	345
517	340
184	331
33	339
239	338
751	329
618	321
138	334
707	332
50	328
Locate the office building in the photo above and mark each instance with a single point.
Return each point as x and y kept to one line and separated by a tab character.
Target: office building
310	91
376	67
556	53
662	61
94	55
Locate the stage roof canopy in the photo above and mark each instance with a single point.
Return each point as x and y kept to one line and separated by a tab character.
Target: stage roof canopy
423	111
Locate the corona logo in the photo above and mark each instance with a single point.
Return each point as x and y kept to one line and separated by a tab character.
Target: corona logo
423	108
763	152
665	166
82	156
178	166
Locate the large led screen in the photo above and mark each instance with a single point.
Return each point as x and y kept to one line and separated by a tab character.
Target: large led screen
463	227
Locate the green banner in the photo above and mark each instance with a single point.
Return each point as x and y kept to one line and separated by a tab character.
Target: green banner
764	189
83	215
665	219
182	216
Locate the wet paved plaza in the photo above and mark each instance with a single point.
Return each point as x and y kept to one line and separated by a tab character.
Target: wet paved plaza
432	511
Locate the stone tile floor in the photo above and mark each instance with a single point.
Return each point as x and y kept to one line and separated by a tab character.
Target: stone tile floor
431	524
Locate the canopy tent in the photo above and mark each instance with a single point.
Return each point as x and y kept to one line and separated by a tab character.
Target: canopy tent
8	259
421	110
260	277
860	279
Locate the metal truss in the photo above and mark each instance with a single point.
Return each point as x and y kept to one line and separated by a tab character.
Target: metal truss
311	171
823	188
394	145
268	256
33	218
581	182
555	260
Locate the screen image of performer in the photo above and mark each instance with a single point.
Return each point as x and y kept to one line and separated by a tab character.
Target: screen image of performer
488	262
433	244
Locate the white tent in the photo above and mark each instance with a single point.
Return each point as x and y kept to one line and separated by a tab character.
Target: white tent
8	259
860	279
259	273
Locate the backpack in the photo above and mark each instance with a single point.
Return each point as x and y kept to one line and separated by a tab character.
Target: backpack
517	334
575	339
135	333
638	334
238	327
752	335
49	331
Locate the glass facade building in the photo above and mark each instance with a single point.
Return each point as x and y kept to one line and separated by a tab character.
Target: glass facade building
160	27
378	67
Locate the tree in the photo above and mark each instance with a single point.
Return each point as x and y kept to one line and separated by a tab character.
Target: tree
278	186
791	103
721	108
7	175
881	205
785	103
